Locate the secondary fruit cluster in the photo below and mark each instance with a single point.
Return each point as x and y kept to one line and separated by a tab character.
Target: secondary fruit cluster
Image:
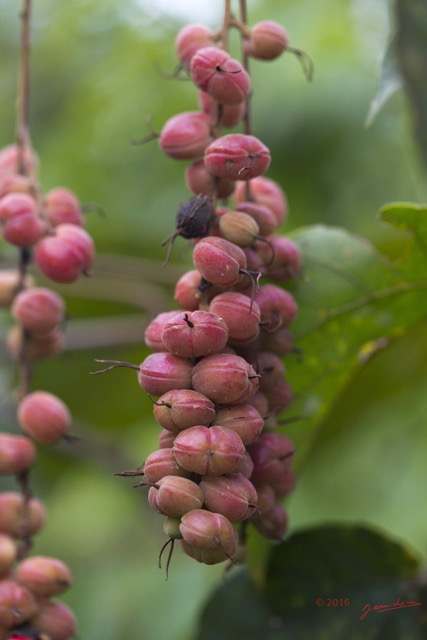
217	369
47	230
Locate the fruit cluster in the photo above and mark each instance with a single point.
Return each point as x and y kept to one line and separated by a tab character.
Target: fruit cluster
216	367
48	230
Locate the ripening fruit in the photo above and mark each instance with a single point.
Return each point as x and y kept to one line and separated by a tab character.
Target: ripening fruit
162	463
200	181
219	261
38	309
278	307
175	496
273	524
17	604
44	417
191	287
240	316
263	216
190	39
18	517
24	231
225	378
161	372
244	419
222	77
226	115
43	576
183	408
209	531
267	40
191	334
10	159
64	256
238	227
55	620
208	450
237	156
17	453
232	495
16	205
8	554
9	282
186	135
15	183
272	455
153	332
38	345
281	257
266	192
60	206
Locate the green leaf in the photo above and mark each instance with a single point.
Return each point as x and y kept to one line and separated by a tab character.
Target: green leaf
389	82
353	301
318	584
412	56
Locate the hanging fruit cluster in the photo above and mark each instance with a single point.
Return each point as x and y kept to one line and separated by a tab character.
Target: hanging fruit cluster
216	369
48	232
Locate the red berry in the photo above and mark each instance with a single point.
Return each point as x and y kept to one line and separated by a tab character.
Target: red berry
162	463
17	604
183	408
190	39
175	496
267	40
219	261
60	205
263	215
43	576
273	524
244	419
63	256
232	495
16	205
191	334
237	157
162	372
186	135
266	192
278	307
153	333
240	316
44	417
200	181
208	450
24	231
229	115
209	531
225	379
38	309
55	620
9	282
17	454
18	517
272	455
222	77
8	553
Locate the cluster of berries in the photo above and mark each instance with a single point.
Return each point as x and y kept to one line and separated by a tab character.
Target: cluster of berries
217	369
49	230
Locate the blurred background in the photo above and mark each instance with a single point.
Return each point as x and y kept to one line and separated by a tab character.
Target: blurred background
99	70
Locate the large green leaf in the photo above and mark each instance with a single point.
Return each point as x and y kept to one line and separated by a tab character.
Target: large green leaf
318	584
353	301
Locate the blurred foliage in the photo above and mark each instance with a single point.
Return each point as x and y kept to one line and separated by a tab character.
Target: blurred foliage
98	72
311	592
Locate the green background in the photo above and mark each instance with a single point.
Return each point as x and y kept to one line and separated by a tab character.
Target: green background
98	72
